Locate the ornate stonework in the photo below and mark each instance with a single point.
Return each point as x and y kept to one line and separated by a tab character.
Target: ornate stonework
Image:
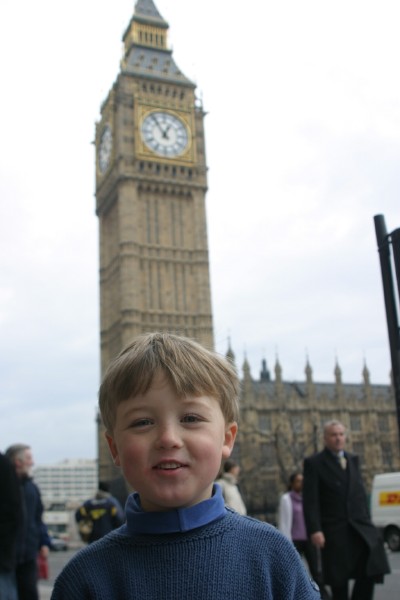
281	423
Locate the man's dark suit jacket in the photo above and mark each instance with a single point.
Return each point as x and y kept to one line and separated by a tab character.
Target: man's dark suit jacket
335	502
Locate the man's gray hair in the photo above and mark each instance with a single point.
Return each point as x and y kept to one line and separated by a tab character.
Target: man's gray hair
16	451
332	422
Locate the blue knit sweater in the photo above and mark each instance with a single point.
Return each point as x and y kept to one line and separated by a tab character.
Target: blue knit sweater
205	552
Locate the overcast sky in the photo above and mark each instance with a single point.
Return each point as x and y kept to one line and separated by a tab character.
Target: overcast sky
303	149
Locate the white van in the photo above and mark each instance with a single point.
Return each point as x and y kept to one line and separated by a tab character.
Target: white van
385	507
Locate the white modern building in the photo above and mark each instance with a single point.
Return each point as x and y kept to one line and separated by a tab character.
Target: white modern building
67	483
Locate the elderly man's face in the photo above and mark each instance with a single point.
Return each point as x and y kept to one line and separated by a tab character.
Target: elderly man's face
24	464
335	438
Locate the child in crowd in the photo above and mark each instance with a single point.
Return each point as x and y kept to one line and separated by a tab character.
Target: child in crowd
170	408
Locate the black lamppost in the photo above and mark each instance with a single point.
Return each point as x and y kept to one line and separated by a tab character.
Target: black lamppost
384	241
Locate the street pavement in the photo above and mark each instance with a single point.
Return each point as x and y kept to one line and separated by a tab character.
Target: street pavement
390	590
57	560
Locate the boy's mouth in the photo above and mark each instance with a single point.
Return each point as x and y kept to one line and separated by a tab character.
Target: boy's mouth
168	466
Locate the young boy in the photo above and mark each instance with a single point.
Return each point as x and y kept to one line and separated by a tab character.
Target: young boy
170	409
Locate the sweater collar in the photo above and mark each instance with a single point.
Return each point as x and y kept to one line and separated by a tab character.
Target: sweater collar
176	520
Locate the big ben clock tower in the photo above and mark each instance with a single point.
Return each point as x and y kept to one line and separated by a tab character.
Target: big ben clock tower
150	199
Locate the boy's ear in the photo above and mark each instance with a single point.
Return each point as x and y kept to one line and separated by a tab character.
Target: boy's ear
113	449
229	440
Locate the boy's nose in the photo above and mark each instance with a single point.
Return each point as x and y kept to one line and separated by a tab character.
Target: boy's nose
168	436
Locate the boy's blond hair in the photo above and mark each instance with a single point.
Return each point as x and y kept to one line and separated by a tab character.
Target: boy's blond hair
190	368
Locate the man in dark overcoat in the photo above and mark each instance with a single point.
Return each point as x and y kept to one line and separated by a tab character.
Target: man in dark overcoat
32	535
338	521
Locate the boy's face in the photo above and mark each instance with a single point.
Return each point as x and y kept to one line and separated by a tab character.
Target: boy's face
170	449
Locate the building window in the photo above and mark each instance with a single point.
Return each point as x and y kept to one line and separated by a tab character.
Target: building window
268	454
355	423
297	424
265	423
387	455
358	448
383	423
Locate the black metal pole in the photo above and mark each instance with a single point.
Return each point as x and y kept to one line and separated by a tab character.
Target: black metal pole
395	237
383	240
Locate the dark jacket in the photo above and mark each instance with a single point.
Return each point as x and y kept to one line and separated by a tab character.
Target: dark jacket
32	532
10	504
335	502
105	514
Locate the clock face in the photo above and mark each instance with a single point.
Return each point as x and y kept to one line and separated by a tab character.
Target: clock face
164	134
105	148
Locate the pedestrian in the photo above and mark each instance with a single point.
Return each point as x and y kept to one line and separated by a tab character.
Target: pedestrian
229	485
291	520
10	506
338	521
170	408
32	536
99	515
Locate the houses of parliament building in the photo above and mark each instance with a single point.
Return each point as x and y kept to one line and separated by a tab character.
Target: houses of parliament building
151	184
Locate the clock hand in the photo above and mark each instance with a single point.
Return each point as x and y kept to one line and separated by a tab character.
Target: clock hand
165	134
158	125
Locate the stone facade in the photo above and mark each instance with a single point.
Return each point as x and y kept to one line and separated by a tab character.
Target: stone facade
281	423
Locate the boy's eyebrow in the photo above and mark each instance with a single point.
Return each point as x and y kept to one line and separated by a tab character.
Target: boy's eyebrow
189	401
203	400
132	407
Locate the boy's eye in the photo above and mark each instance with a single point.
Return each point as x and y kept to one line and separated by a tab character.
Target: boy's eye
191	419
141	423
